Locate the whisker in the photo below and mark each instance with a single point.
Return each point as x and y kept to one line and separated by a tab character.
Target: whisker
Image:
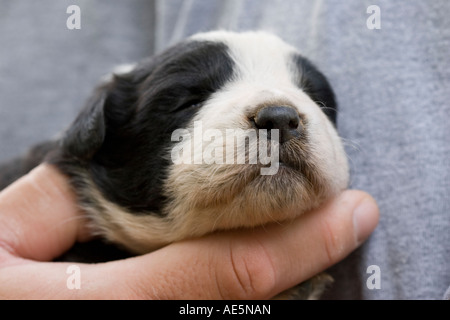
351	143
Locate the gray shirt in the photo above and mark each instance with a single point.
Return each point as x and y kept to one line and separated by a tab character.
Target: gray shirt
392	85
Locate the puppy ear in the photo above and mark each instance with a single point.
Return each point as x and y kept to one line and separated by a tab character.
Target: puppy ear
110	107
87	133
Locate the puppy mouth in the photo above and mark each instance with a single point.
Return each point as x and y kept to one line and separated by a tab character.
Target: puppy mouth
284	164
295	178
293	155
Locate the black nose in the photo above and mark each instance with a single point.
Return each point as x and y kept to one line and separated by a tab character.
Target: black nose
285	119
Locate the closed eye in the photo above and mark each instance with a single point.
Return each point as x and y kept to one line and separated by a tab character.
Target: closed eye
196	105
192	104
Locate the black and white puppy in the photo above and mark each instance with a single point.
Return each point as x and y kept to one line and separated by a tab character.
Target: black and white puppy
154	156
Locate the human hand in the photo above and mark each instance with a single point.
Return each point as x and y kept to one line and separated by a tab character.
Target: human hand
39	221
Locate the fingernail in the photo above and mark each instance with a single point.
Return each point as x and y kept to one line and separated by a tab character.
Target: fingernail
365	219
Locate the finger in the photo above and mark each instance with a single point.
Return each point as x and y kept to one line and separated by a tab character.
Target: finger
39	219
254	264
320	239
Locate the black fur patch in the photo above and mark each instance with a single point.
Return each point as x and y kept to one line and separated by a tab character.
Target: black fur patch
122	137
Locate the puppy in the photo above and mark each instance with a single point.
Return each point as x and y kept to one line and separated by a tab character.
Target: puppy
221	131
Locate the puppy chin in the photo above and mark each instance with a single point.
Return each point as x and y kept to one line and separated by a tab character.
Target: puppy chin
234	196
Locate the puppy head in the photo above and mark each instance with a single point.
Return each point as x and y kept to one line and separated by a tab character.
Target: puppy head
221	131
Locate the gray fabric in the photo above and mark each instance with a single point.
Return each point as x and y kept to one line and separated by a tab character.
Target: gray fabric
392	85
47	71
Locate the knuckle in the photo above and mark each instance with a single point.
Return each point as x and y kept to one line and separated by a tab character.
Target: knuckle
250	273
332	242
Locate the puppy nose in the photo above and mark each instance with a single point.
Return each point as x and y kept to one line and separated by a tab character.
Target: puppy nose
285	119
